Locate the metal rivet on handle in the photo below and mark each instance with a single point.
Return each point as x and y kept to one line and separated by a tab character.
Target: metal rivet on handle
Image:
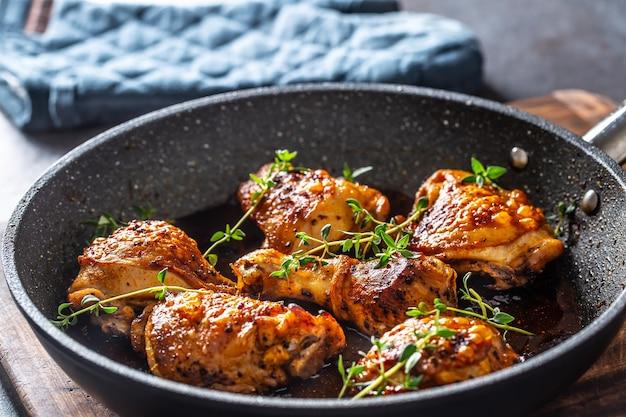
590	201
519	158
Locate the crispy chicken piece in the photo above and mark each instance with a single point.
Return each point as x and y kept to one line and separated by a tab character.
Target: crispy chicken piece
475	349
374	300
235	343
305	201
484	229
129	260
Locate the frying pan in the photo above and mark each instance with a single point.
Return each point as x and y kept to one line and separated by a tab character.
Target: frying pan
193	155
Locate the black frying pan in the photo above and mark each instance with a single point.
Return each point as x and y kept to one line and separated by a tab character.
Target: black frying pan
193	155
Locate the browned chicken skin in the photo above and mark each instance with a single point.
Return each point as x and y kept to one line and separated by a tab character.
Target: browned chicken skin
373	299
234	343
129	259
305	201
484	229
474	350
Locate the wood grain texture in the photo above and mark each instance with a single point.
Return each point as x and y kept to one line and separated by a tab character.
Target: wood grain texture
599	392
577	110
43	389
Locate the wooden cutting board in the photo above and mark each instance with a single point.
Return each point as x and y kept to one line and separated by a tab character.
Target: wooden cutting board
40	388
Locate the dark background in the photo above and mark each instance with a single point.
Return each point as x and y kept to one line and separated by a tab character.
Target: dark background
534	46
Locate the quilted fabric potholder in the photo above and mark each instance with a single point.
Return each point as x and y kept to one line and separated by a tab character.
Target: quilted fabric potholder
105	63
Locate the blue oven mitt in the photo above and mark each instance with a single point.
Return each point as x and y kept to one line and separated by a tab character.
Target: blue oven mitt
105	63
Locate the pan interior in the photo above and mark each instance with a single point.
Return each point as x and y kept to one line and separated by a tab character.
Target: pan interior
193	159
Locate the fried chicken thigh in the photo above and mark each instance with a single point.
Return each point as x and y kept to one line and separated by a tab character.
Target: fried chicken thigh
484	229
234	343
373	299
305	201
129	260
475	349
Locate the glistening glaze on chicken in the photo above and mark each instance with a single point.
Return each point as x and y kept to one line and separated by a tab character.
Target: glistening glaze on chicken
234	343
484	229
129	259
374	300
474	350
305	201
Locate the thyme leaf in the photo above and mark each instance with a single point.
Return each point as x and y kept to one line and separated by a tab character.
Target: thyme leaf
105	224
484	175
413	352
295	261
160	295
348	376
282	162
386	240
406	361
90	304
349	174
492	315
564	211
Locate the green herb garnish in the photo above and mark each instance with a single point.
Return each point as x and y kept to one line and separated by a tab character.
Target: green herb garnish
66	316
385	241
484	175
144	212
492	315
348	376
282	162
564	211
350	175
408	359
293	262
106	224
412	353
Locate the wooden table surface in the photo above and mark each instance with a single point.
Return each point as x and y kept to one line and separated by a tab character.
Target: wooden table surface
38	387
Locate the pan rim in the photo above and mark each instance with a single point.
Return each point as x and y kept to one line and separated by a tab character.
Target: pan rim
65	343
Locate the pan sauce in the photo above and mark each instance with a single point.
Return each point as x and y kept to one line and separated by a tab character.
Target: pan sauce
546	307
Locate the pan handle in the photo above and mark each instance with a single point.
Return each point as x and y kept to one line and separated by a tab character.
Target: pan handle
610	134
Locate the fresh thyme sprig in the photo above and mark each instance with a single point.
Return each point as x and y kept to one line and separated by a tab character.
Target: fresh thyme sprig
144	212
383	232
492	315
348	375
282	162
563	211
386	240
160	295
66	316
393	246
412	353
410	356
293	262
484	175
106	224
349	174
